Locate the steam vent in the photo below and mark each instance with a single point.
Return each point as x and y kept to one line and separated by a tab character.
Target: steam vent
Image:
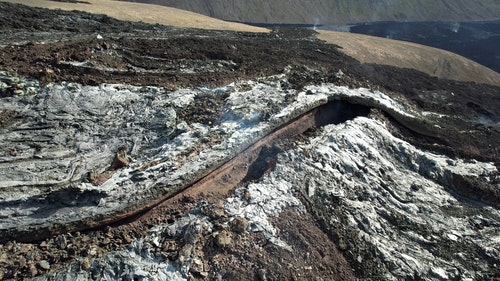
134	151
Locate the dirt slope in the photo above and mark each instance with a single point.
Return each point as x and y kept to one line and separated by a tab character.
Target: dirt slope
435	62
139	12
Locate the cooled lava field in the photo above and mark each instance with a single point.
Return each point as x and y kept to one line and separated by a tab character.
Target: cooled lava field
133	151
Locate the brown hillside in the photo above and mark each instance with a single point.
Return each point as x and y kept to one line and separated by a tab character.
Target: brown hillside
140	12
435	62
337	11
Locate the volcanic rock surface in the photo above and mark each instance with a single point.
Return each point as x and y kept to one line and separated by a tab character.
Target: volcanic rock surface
132	151
366	49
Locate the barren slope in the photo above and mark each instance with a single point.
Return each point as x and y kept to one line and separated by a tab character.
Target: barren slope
139	12
338	11
435	62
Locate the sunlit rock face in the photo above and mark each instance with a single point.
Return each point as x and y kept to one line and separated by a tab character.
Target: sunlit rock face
389	207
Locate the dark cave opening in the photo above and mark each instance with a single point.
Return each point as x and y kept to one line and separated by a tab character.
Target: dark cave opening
334	112
339	111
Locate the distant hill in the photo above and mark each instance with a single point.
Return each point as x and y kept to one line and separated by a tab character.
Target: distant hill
477	40
140	12
337	11
435	62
